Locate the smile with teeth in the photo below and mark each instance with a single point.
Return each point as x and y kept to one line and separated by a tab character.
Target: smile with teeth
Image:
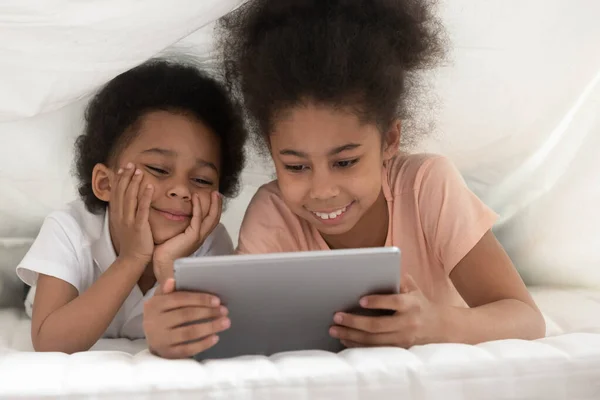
330	215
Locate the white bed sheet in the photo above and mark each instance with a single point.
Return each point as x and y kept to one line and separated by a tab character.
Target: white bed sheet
564	365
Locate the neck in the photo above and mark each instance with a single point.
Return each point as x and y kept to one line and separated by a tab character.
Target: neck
370	231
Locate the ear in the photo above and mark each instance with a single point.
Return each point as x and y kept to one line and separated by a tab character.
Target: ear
102	181
391	141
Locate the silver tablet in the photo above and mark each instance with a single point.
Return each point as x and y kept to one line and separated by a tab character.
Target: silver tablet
286	301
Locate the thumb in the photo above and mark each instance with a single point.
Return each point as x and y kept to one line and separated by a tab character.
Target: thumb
408	284
166	287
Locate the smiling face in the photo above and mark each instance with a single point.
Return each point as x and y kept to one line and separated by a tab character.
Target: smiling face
329	166
179	156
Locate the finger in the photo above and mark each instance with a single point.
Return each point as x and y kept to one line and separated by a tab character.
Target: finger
214	215
205	202
408	285
197	217
143	207
190	333
189	349
168	286
185	315
123	185
122	188
114	185
382	324
187	299
130	201
349	344
115	195
364	338
397	302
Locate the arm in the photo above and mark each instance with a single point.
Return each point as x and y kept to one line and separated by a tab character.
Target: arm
501	306
63	321
269	226
171	318
457	226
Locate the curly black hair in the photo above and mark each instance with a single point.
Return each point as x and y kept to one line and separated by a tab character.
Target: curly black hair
358	55
113	113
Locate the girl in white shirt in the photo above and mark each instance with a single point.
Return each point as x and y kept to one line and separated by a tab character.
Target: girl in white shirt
163	143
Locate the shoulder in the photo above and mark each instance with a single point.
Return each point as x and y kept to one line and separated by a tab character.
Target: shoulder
62	246
268	224
269	193
218	243
413	172
75	222
267	205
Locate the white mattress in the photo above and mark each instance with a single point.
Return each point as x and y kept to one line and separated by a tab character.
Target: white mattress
564	365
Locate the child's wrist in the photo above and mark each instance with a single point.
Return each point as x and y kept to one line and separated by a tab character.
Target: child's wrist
157	262
451	321
163	269
133	262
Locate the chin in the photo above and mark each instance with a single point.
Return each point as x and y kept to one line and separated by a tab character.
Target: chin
158	241
333	230
162	234
337	229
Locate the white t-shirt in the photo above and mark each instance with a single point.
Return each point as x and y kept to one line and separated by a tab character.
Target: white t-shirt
75	246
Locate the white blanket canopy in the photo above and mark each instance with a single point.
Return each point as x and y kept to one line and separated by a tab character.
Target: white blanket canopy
517	110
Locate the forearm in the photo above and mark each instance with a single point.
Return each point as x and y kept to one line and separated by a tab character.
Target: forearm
78	325
503	319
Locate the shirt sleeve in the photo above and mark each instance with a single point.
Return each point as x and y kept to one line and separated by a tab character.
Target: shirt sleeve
268	225
453	218
54	253
219	243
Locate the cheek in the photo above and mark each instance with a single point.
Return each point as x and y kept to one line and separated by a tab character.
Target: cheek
363	183
294	188
371	190
370	180
150	180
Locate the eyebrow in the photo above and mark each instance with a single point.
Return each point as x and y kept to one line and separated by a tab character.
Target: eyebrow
337	150
170	153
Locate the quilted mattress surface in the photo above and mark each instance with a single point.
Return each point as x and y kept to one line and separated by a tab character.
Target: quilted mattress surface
564	365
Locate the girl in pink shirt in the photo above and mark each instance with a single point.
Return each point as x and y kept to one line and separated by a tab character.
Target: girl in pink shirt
326	85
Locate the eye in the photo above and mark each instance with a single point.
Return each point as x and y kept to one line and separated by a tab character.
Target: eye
346	163
156	170
202	182
296	168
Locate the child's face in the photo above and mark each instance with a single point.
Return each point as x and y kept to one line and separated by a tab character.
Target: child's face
329	165
179	156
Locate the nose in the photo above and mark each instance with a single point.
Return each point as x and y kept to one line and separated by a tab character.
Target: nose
323	186
179	190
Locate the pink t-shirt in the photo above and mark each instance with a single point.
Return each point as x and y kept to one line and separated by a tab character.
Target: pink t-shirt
434	219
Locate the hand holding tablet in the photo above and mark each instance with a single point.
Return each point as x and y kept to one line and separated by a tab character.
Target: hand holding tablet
287	301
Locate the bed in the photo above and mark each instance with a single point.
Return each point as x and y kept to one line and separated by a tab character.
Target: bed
562	366
516	109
